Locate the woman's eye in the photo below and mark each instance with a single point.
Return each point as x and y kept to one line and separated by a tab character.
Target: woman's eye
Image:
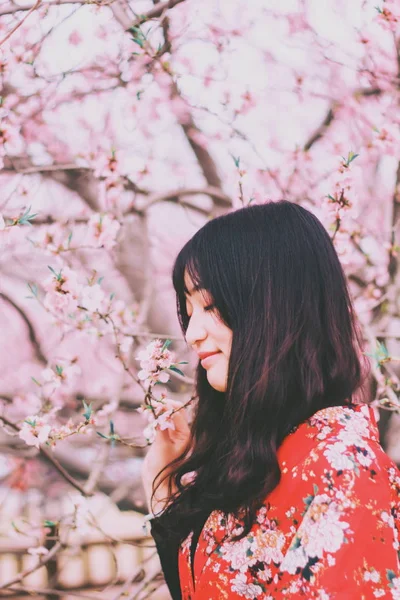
209	307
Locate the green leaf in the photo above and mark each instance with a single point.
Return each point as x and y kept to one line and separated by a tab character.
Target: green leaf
183	362
69	239
112	296
137	36
166	345
59	370
236	160
88	410
102	435
112	432
33	288
351	156
36	381
100	279
390	575
58	276
381	354
26	217
176	370
49	523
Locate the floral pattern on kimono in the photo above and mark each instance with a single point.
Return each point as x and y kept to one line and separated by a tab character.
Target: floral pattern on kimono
328	531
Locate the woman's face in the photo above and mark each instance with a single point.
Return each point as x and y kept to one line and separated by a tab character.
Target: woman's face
208	335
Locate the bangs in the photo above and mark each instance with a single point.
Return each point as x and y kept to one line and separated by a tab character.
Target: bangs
196	260
203	259
185	263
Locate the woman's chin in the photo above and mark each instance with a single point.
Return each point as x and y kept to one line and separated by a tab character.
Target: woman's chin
218	383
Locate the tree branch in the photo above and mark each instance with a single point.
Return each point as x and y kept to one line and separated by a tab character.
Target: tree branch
31	331
13	8
318	134
393	259
156	11
50	458
56	548
330	116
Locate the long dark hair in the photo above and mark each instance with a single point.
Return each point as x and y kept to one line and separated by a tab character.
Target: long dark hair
276	281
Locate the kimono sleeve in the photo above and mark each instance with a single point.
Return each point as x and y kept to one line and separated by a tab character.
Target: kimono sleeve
346	545
168	555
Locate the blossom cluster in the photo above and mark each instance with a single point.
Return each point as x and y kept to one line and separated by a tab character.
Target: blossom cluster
159	416
155	359
87	307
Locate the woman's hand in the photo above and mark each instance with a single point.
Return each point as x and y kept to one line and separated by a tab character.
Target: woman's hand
168	445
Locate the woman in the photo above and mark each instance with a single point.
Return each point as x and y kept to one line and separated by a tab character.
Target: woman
290	494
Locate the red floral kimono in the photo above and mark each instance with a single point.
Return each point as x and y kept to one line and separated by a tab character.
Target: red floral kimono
330	530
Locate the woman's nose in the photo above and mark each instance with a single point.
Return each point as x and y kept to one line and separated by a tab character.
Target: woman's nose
195	332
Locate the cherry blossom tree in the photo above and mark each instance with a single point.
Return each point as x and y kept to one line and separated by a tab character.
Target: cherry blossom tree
124	127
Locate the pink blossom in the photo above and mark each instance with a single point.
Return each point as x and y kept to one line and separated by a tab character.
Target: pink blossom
164	421
60	303
124	317
52	239
248	102
102	231
164	410
92	297
34	431
63	374
150	378
297	22
154	359
75	38
389	15
63	290
2	223
66	281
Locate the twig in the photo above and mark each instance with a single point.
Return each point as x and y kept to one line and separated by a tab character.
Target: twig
9	34
32	334
43	561
49	457
132	578
48	591
149	579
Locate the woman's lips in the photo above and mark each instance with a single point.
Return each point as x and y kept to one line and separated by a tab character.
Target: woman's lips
207	361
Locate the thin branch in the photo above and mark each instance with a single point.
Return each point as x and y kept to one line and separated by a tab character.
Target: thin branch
330	116
393	260
320	131
31	330
190	129
153	13
50	458
174	196
18	25
43	561
154	573
29	591
13	8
